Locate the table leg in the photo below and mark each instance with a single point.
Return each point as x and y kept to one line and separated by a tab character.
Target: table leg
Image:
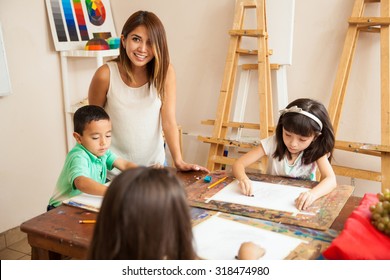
42	254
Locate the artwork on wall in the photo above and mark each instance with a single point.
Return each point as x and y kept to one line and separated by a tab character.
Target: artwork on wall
5	82
74	22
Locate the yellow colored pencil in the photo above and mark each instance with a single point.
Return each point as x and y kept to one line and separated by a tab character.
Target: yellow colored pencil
87	221
216	183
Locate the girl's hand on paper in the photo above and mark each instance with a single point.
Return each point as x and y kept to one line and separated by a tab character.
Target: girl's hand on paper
304	200
246	186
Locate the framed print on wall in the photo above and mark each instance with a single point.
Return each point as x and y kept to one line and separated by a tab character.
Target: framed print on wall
74	22
5	82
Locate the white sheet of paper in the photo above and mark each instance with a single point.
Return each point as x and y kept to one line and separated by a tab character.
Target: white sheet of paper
220	239
266	195
88	199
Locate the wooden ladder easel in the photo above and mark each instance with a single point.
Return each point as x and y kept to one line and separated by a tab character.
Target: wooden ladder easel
358	23
222	123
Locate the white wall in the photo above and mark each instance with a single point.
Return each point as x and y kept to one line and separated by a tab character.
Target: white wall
32	139
320	30
32	146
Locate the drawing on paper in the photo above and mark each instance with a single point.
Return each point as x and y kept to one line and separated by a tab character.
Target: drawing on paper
266	195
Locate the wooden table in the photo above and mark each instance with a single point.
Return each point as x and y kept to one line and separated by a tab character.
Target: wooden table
57	233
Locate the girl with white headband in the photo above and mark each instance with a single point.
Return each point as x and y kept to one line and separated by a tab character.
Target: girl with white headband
303	141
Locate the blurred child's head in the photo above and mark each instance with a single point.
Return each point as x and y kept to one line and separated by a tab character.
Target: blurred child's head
308	119
92	129
144	215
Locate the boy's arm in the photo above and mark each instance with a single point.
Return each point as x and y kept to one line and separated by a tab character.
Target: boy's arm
89	186
123	164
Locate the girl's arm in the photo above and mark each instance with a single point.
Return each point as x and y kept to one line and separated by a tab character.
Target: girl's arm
97	93
325	186
241	163
89	186
169	125
123	164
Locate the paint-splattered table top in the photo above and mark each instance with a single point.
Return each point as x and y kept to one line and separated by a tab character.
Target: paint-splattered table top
320	215
57	233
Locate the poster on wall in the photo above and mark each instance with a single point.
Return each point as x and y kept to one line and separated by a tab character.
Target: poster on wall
74	22
5	82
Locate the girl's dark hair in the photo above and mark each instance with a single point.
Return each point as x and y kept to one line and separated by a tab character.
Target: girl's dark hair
86	114
157	68
144	216
302	125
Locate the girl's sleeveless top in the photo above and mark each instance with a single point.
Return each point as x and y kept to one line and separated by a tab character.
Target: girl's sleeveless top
136	121
283	167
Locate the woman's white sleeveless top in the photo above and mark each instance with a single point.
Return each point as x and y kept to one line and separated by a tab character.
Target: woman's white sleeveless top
136	121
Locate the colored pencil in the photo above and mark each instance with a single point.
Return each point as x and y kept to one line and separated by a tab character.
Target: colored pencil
216	183
87	221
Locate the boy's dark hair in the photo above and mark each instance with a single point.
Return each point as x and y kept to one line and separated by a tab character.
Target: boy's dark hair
86	114
302	125
144	216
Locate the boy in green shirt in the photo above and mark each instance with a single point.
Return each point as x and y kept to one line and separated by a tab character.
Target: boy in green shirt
85	168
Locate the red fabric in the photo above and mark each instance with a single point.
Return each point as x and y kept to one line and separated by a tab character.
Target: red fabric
360	240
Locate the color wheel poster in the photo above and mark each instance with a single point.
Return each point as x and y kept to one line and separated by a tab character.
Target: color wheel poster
74	22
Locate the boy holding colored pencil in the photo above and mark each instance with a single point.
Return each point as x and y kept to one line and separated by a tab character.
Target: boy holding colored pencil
86	165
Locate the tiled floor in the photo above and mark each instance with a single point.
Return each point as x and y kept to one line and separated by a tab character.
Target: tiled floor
14	246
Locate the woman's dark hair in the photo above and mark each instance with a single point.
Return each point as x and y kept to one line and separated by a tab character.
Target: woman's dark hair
144	216
303	125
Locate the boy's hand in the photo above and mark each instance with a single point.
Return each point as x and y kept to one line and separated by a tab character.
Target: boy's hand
157	166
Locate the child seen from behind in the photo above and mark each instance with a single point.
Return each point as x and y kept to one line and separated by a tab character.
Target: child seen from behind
145	216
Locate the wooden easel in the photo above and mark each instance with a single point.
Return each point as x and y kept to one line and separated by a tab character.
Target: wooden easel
358	23
222	123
